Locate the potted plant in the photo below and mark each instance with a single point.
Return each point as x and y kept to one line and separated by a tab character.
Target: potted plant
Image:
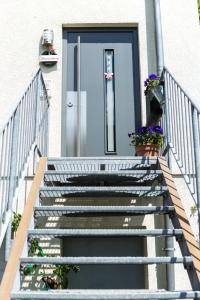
154	99
49	57
147	140
15	223
61	273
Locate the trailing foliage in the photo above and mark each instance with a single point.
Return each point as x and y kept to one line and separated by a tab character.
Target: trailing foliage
199	8
152	81
61	272
35	248
15	222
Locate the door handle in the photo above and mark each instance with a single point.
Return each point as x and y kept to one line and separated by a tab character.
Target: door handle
70	104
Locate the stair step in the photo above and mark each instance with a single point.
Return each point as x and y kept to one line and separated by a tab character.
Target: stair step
107	260
106	294
37	233
99	163
54	211
103	190
73	177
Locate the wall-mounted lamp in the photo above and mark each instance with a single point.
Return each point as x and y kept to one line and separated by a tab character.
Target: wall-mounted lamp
48	57
47	37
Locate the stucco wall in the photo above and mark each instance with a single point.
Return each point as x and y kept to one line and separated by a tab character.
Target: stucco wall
181	37
22	23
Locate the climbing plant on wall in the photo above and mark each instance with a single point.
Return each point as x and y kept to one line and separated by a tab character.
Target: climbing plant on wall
199	8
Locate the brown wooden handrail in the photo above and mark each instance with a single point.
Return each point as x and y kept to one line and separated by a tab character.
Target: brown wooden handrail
182	217
21	235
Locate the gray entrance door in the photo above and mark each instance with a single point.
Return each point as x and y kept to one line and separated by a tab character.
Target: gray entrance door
102	95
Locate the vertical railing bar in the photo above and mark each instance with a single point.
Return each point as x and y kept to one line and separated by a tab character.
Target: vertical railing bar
193	175
191	140
28	117
180	126
20	136
33	108
170	110
25	131
176	119
30	114
172	106
175	112
183	131
1	169
197	160
5	165
187	135
9	158
168	105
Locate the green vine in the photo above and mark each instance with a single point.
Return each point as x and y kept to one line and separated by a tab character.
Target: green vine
35	248
61	280
15	222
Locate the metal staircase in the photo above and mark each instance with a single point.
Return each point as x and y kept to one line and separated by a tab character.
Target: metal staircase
90	190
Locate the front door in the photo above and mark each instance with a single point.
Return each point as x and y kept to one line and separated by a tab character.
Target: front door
102	102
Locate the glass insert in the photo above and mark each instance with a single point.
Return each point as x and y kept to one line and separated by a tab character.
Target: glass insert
110	101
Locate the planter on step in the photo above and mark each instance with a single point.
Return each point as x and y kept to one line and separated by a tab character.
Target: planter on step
147	150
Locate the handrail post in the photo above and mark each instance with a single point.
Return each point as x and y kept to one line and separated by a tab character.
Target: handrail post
196	135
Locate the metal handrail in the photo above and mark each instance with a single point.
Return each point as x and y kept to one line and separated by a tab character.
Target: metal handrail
21	235
181	122
26	127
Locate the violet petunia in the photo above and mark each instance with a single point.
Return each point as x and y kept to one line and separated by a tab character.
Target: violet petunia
153	77
158	129
142	129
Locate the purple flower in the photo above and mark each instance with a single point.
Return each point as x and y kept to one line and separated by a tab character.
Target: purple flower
142	129
129	134
153	77
158	129
151	129
145	83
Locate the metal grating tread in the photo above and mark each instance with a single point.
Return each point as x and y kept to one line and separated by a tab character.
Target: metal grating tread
102	163
103	190
55	211
71	177
103	232
106	294
107	260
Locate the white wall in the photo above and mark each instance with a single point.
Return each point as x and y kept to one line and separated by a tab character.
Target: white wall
22	23
181	37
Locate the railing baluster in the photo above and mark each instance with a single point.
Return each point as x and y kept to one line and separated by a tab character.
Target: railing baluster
183	134
17	139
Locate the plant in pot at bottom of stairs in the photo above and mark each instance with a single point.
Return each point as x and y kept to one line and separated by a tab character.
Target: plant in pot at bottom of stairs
147	140
61	272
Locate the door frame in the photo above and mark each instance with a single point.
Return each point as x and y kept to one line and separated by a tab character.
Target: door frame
136	75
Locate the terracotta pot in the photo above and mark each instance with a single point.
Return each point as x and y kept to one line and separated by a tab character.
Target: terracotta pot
147	150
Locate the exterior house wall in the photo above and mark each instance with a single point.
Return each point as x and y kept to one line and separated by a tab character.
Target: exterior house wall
22	23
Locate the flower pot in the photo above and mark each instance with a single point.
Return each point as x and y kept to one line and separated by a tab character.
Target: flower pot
147	150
